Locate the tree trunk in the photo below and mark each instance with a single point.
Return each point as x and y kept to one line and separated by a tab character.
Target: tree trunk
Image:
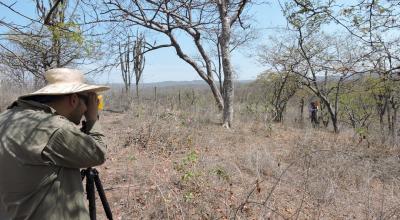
335	124
381	106
228	98
217	95
155	93
137	90
394	125
228	90
219	75
332	113
393	121
179	99
334	120
381	122
301	112
279	115
389	120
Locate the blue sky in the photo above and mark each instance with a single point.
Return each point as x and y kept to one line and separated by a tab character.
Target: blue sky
164	65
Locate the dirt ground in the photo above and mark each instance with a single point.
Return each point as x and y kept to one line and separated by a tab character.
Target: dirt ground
170	165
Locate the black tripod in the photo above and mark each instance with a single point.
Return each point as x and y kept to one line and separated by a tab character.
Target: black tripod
92	179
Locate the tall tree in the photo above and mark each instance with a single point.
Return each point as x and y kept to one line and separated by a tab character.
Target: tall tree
125	64
55	36
194	19
139	59
132	61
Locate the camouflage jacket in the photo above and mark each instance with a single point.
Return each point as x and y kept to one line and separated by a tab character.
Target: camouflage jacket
40	156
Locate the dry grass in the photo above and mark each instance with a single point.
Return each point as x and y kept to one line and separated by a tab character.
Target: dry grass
176	162
173	164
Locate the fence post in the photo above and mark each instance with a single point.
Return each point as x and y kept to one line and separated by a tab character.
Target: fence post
179	98
155	93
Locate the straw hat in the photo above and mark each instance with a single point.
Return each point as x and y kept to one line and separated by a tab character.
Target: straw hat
63	81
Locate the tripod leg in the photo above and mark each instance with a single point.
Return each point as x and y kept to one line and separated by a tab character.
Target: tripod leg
102	195
83	174
90	193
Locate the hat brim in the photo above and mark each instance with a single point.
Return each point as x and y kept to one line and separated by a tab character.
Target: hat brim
66	88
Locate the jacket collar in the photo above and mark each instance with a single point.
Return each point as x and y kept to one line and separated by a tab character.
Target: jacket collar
28	104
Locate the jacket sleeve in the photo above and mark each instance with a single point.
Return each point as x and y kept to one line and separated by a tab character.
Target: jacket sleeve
70	147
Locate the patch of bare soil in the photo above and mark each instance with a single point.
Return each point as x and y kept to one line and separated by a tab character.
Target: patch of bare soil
171	166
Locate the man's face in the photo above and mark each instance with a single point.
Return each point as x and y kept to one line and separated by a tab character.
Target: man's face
80	109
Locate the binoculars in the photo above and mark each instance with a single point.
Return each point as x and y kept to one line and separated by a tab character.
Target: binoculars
100	106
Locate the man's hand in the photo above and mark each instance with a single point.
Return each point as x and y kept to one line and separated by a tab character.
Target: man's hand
91	113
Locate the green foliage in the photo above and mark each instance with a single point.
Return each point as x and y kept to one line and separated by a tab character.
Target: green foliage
374	85
191	158
68	31
255	108
189	177
186	166
39	48
358	103
309	14
132	158
361	131
278	88
187	162
271	82
221	173
188	196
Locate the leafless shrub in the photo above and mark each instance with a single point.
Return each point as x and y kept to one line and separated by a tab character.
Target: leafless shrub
10	91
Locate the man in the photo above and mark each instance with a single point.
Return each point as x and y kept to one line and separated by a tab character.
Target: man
42	148
314	113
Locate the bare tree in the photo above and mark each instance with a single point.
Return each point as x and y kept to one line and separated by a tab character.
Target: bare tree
227	19
54	37
194	19
132	61
125	62
139	59
238	39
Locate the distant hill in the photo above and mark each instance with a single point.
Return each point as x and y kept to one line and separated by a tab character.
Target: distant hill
186	83
176	83
194	83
